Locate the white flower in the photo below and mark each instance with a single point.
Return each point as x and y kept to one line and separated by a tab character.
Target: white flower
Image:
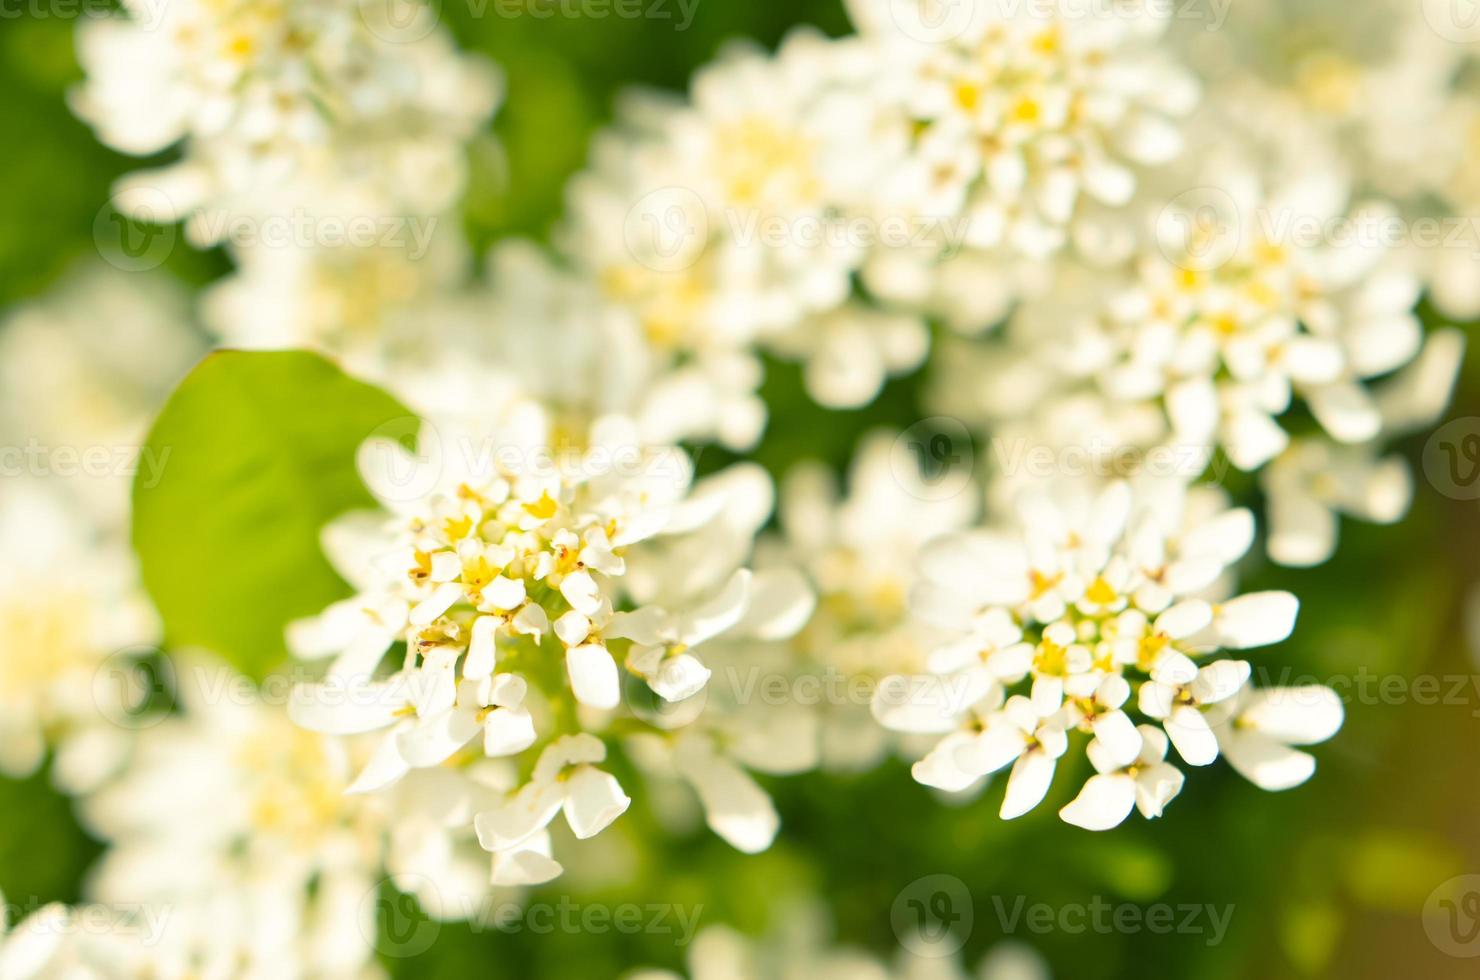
1178	694
68	603
260	858
1258	741
1010	117
1092	608
277	105
66	382
564	779
1148	783
1314	481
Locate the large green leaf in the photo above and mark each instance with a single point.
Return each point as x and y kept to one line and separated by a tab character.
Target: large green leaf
253	454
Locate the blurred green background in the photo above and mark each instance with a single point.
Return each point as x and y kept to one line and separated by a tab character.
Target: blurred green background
1329	880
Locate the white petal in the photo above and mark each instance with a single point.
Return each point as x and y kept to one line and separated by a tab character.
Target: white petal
1156	786
719	613
525	866
1294	715
520	818
1028	784
593	799
1346	411
1265	762
1189	732
781	602
942	768
1115	731
679	678
1103	803
593	676
580	590
507	731
1256	619
481	653
1219	681
432	741
1184	619
441	600
386	765
735	807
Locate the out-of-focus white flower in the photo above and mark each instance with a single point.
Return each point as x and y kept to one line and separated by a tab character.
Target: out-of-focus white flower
1266	724
81	372
1314	481
277	103
262	863
1014	115
68	603
728	223
859	552
376	305
1094	606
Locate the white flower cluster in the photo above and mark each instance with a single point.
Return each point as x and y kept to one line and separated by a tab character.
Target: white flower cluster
1100	255
1087	614
508	587
323	141
742	219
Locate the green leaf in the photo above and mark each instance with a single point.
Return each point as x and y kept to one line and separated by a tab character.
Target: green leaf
253	454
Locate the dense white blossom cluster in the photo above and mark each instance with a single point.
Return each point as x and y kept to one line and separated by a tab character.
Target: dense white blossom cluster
1130	254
